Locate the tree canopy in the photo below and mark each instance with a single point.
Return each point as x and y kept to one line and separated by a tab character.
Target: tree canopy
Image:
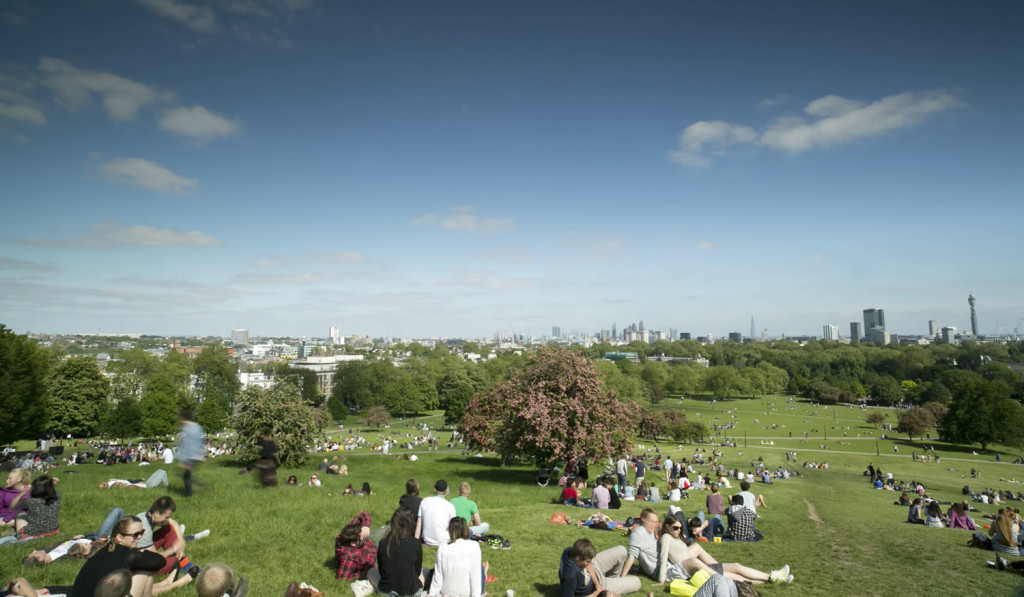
281	411
23	387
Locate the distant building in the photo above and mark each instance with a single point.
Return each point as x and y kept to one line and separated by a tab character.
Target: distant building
685	336
240	337
879	336
556	332
829	332
325	368
335	335
949	335
874	318
933	328
974	315
735	337
856	331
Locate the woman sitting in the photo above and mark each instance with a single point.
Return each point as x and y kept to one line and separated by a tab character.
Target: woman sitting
686	560
1004	531
674	494
399	557
958	517
42	509
14	491
458	570
933	515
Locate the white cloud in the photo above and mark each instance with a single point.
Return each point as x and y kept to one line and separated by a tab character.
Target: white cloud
464	220
146	174
108	234
24	113
341	257
200	19
836	120
197	123
842	120
709	137
75	88
277	279
774	101
24	265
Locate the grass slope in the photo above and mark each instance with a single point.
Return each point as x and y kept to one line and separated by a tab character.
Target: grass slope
839	536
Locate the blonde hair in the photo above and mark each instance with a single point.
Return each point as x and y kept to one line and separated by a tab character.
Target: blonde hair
23	475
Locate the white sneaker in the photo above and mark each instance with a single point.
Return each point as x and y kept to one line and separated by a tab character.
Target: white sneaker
789	579
785	570
776	576
202	534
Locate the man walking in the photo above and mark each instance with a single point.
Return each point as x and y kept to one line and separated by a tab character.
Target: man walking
190	450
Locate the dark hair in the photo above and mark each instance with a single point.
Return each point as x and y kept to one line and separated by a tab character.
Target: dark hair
163	504
350	534
293	480
366	487
736	500
412	487
458	529
121	528
42	488
403	525
668	521
116	584
744	486
583	549
933	509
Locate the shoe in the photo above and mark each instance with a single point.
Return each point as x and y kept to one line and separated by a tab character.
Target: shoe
202	534
789	579
990	564
785	570
777	576
1001	563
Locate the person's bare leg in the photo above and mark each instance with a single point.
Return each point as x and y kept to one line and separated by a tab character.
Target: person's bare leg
142	585
692	565
751	574
169	583
698	552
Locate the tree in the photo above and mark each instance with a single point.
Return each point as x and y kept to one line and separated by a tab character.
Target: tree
378	415
212	416
124	419
23	387
455	391
281	411
982	412
553	408
875	418
722	381
885	390
80	397
305	380
130	372
159	406
915	421
216	376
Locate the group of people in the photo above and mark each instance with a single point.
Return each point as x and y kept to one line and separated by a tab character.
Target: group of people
664	554
391	559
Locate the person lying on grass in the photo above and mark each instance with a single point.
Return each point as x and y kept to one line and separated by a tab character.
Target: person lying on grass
156	479
676	559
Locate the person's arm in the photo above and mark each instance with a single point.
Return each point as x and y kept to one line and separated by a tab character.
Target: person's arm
593	577
663	549
364	521
178	548
627	567
20	586
475	519
476	584
144	561
419	527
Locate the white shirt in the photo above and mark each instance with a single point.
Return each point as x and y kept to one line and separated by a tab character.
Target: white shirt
63	549
168	456
458	570
435	514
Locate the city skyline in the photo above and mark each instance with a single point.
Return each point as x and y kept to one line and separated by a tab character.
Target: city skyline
184	168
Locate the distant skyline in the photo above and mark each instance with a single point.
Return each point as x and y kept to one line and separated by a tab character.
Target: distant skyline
461	169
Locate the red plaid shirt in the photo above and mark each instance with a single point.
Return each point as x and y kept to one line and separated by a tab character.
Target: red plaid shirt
355	560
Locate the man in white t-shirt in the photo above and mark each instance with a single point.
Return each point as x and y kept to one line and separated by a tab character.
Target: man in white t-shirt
167	455
434	515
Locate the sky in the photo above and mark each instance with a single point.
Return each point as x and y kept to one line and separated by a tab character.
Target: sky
445	169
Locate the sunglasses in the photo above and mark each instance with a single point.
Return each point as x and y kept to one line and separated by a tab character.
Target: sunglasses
676	527
137	535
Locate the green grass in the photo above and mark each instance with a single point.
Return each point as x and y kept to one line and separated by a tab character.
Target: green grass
855	543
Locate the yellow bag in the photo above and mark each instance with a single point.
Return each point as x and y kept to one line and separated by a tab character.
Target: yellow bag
699	578
682	588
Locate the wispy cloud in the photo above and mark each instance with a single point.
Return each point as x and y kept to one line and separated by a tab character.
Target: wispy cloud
22	112
267	278
198	124
508	254
594	248
464	220
146	174
341	257
774	101
200	19
108	234
830	121
11	263
76	88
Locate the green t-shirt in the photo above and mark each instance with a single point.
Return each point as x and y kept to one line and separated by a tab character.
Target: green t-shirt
465	508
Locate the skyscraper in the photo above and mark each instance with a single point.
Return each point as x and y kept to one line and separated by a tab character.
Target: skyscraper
974	315
874	318
933	328
830	331
856	331
556	332
753	332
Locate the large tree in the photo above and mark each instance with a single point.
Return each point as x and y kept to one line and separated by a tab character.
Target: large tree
554	408
281	411
23	387
982	412
216	376
80	397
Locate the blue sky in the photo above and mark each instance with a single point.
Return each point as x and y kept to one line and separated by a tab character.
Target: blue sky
463	168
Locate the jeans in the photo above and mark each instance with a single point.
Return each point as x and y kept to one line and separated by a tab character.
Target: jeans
108	524
480	530
156	479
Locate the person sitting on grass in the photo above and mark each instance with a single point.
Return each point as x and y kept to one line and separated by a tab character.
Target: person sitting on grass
677	560
459	569
468	511
914	513
216	580
958	517
583	571
41	509
158	478
14	491
933	515
749	499
411	500
399	557
161	532
355	553
741	522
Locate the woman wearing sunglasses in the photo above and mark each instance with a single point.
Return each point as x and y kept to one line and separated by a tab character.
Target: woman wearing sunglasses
673	553
122	552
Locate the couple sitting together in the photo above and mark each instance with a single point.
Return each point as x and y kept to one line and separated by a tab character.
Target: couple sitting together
583	571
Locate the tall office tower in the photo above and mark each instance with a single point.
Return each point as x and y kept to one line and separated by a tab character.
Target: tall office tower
974	315
334	334
829	332
856	331
641	325
753	330
240	337
949	335
556	332
933	328
685	336
735	337
673	334
614	334
874	318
